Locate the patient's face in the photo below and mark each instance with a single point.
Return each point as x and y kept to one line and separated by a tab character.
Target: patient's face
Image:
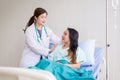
65	36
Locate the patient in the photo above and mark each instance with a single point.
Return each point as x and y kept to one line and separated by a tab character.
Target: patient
69	50
64	62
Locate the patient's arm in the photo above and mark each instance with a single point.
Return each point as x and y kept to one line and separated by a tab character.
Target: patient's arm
77	65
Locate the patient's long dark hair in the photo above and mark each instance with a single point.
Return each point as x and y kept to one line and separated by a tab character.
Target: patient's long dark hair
73	36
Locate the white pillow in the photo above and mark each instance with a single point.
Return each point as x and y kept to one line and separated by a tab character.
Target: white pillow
88	47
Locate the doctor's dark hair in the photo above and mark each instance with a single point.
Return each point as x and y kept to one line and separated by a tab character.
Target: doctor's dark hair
73	36
37	13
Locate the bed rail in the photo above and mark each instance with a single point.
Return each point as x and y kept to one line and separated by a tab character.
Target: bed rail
30	73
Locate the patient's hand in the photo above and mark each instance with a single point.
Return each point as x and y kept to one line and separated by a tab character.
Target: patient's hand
67	65
77	65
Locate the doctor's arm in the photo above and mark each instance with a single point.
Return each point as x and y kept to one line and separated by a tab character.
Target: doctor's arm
53	38
53	48
34	44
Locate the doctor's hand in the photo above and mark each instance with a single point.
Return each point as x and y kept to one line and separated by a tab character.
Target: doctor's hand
51	49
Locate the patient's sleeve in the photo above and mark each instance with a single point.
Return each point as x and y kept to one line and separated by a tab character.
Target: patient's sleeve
54	54
80	55
59	54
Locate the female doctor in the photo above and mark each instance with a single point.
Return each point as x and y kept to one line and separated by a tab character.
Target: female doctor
37	39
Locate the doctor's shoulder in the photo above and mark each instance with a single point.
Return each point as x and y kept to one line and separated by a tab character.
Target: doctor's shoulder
30	29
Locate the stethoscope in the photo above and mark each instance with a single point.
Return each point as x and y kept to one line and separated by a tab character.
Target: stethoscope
39	38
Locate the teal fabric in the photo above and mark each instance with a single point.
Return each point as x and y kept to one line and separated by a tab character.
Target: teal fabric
62	72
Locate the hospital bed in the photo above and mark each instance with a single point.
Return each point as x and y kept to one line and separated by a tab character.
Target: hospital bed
98	55
26	74
29	74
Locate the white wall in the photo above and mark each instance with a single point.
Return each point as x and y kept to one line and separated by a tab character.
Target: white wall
113	52
87	16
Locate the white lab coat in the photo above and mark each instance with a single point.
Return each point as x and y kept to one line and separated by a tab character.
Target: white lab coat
34	49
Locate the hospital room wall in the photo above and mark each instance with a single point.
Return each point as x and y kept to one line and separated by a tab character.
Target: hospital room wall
113	39
87	16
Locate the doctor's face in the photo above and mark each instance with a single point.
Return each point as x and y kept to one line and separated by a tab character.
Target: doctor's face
41	19
65	37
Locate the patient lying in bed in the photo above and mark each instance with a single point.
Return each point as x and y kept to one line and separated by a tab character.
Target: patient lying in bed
64	62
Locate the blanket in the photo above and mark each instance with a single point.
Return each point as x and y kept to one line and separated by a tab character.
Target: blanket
63	72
